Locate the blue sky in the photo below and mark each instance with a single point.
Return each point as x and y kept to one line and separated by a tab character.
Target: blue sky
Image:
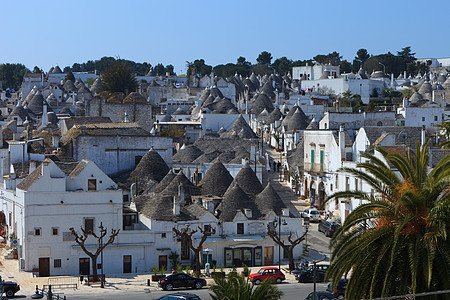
46	33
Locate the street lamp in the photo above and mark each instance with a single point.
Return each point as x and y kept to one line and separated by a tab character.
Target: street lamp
279	236
102	230
207	268
384	67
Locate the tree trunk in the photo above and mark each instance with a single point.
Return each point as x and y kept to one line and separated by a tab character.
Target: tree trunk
94	267
290	252
197	261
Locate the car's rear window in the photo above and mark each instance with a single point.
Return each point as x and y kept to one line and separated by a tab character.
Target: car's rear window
314	212
334	226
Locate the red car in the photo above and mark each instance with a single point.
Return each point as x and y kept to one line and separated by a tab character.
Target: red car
267	273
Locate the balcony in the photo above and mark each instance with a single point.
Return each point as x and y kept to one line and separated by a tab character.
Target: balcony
314	168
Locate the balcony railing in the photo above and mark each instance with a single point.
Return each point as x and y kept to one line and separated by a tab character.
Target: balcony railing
312	167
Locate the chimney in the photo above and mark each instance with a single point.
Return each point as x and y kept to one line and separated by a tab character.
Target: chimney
44	119
405	102
55	141
342	141
210	205
83	129
176	206
423	136
285	212
32	166
248	212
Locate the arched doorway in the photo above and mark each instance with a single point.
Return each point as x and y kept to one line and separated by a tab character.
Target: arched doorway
321	195
312	193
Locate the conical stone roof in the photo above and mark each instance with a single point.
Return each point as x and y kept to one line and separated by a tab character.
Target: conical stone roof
255	80
96	86
446	84
269	200
173	187
441	78
425	88
248	181
298	121
314	125
240	129
275	115
415	98
289	115
164	182
216	181
236	199
69	86
187	155
56	70
35	104
260	103
151	166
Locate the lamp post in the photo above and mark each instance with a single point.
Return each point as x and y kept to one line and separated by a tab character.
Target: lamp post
207	266
102	230
279	236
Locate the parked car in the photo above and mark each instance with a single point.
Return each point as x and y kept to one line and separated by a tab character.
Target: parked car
267	273
328	228
179	296
10	288
321	296
311	213
307	276
181	280
339	290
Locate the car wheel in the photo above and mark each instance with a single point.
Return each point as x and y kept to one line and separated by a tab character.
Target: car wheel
10	293
278	280
198	285
257	282
168	287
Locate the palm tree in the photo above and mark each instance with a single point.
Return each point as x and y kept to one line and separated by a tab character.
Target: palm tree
119	78
396	241
238	287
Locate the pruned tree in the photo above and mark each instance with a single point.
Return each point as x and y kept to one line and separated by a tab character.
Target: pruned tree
187	233
289	248
80	239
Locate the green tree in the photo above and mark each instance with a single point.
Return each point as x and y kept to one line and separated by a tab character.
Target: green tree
396	242
445	132
237	287
264	58
282	65
11	75
70	76
170	70
198	67
333	58
119	77
361	56
346	67
159	70
242	61
407	54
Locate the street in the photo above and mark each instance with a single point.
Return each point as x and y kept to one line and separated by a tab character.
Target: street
291	290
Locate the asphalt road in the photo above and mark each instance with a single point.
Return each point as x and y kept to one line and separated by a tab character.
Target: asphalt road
290	290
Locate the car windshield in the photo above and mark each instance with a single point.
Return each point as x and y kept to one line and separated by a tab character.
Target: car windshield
261	271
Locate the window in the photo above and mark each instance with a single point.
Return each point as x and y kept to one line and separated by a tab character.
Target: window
356	184
37	231
163	235
89	225
125	198
240	228
337	182
55	231
207	227
57	263
423	119
347	183
92	184
435	118
185	250
331	187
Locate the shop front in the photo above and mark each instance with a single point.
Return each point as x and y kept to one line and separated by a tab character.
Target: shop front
238	256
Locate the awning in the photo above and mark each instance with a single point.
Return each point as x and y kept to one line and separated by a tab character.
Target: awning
244	238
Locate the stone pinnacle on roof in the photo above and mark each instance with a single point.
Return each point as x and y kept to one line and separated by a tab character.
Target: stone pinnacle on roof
172	188
164	182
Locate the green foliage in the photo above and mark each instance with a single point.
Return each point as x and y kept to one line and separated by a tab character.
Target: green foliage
187	269
155	270
119	77
396	242
173	131
416	67
407	93
264	58
179	268
282	65
346	67
374	93
221	268
237	287
331	58
445	132
70	76
90	81
198	67
11	75
163	270
140	69
174	258
159	70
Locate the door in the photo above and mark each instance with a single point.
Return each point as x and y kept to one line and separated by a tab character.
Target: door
84	264
44	266
162	262
268	256
127	263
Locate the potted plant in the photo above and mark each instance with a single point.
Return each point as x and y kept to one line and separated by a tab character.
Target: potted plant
215	274
35	269
156	276
187	269
179	268
174	259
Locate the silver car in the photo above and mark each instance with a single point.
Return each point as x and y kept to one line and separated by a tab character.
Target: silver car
311	213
